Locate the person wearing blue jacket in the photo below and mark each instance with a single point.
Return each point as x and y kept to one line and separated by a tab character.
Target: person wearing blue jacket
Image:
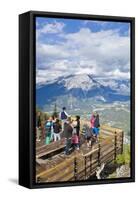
96	128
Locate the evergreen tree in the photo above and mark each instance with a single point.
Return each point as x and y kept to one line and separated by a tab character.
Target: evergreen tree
38	109
55	113
125	157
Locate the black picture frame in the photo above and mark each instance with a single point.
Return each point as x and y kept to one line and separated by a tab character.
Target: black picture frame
27	75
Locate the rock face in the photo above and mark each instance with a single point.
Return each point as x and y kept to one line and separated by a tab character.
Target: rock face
99	170
123	171
113	171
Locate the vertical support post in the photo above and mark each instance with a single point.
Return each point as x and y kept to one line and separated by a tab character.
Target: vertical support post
75	169
85	159
90	163
122	142
99	154
115	147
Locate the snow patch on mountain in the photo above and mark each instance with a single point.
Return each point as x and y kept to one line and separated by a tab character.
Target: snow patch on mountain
120	86
82	87
83	81
100	98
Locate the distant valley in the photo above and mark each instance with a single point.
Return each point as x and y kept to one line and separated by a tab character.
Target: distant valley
83	93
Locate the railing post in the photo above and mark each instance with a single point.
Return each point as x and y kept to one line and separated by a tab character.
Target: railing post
99	154
115	147
122	142
75	169
90	163
85	159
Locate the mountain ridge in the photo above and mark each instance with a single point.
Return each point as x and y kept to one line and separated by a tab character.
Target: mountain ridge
83	86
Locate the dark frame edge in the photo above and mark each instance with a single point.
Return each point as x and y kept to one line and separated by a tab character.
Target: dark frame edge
132	56
81	16
24	101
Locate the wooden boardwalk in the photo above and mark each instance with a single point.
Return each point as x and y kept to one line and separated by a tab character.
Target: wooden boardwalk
53	166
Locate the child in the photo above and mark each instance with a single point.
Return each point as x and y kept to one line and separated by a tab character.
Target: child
75	138
57	130
75	141
89	138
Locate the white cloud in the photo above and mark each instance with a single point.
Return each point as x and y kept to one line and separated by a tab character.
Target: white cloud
46	75
100	53
55	27
119	74
54	51
49	28
101	23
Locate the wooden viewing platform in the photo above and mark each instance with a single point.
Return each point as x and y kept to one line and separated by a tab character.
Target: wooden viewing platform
52	165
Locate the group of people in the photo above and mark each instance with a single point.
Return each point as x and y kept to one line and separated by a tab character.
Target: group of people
67	127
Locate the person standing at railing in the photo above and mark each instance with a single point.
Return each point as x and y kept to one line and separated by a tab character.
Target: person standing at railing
92	120
52	130
38	127
68	130
95	125
57	130
76	131
48	129
63	116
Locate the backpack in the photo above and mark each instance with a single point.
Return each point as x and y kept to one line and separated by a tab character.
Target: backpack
88	132
75	139
63	115
48	126
96	123
57	128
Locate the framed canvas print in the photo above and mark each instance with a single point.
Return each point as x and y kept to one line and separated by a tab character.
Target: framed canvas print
76	99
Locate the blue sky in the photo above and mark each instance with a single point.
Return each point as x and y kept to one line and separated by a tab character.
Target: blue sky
66	46
74	25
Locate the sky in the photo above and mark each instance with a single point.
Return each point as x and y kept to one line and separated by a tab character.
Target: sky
68	46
